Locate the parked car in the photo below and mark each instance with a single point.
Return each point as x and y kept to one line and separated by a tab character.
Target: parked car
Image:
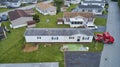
92	26
4	17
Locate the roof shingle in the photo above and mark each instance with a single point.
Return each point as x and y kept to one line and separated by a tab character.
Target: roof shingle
17	14
74	14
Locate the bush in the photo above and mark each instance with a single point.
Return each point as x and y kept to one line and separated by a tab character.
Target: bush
36	18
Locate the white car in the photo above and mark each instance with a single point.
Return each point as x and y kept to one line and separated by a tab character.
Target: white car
92	27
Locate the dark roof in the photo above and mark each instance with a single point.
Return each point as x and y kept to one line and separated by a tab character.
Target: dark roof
74	14
82	59
57	31
46	64
30	22
94	2
17	14
89	7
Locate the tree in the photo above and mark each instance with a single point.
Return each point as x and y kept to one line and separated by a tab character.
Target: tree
36	18
58	4
119	3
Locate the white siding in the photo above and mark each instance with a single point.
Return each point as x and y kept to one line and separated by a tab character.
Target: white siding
20	22
60	38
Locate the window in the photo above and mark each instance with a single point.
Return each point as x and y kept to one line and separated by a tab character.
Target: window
85	38
80	22
38	37
71	37
99	10
83	10
54	38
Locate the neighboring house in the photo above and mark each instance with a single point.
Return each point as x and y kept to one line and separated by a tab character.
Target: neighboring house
89	8
2	33
93	0
42	64
2	4
29	11
62	35
63	9
99	3
75	1
79	19
29	1
68	2
46	9
13	3
19	18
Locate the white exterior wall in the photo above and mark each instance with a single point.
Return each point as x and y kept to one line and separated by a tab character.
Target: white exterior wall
20	22
75	1
14	4
99	4
47	11
60	38
96	12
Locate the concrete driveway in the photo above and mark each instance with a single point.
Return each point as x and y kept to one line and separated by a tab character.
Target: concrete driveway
100	29
112	52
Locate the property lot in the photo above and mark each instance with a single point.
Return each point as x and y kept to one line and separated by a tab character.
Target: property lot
11	48
82	59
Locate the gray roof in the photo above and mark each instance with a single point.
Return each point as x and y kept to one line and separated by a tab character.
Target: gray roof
57	31
90	7
94	2
51	64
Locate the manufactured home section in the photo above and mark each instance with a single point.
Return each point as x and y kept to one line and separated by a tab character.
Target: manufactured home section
58	35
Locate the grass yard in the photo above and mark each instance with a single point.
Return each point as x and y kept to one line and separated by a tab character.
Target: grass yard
73	47
52	21
72	6
11	47
100	21
4	9
11	50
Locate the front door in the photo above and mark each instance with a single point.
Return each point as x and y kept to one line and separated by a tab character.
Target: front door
78	38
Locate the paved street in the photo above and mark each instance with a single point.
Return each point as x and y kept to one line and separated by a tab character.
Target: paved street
112	52
26	7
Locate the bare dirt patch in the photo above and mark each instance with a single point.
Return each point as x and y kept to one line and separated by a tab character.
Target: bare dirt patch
30	48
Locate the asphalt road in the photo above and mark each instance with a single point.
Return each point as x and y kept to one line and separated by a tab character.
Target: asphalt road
26	7
111	53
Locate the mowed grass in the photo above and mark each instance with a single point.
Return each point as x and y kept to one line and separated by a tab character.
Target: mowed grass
4	9
52	21
11	47
100	21
73	47
72	6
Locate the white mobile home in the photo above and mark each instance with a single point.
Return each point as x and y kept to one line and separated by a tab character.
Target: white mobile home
99	3
46	9
52	35
78	19
97	10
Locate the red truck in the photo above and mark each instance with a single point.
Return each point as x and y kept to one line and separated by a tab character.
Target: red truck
104	38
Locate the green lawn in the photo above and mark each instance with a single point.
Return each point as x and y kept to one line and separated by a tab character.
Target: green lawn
72	6
73	47
100	21
52	21
4	9
11	47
